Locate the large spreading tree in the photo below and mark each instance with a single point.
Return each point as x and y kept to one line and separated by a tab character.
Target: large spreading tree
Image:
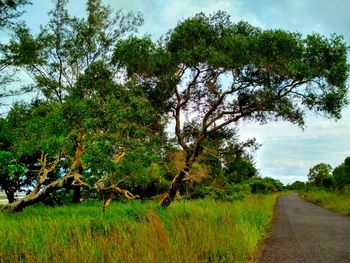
82	116
212	73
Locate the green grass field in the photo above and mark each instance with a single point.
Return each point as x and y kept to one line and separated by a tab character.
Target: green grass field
334	201
188	231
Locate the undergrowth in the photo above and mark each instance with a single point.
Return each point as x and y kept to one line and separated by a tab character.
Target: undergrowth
188	231
335	201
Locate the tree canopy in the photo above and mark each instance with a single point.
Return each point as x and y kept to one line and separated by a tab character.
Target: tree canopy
67	45
223	72
321	175
341	173
105	97
82	115
10	10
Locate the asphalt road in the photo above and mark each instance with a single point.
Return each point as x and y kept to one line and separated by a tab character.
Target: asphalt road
304	232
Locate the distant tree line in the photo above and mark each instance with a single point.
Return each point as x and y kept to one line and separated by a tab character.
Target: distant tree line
323	176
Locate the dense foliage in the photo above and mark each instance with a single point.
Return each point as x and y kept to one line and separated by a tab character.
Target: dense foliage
322	176
223	72
106	97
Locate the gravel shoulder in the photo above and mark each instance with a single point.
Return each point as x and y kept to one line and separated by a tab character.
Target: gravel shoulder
304	232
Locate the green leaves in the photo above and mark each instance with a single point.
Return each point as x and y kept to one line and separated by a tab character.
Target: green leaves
10	10
24	49
66	46
135	55
110	115
11	173
341	174
16	170
198	39
319	174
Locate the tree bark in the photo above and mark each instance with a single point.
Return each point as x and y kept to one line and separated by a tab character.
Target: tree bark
76	195
10	196
71	181
178	179
37	196
175	185
77	190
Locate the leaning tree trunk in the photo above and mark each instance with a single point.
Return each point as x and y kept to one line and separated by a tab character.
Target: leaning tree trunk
179	178
40	192
72	180
38	196
175	185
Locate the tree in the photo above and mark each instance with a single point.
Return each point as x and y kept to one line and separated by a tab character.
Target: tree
239	164
320	175
341	173
10	10
223	73
12	171
69	61
240	169
97	124
12	177
67	45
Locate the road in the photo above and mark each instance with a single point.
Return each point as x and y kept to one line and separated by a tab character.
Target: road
304	232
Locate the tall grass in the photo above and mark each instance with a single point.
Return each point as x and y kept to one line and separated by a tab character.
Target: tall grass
188	231
332	200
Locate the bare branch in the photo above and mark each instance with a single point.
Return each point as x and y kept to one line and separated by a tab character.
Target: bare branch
111	189
44	171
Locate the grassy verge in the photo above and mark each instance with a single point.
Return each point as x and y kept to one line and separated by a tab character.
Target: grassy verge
334	201
193	231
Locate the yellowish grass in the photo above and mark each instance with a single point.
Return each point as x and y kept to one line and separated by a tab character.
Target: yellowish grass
337	202
188	231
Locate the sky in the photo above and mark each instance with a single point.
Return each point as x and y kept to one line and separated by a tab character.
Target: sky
287	152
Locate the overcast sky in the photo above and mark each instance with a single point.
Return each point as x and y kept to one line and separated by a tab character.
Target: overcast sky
287	152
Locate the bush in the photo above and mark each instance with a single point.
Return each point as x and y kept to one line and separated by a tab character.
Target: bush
211	192
297	185
147	181
58	198
265	185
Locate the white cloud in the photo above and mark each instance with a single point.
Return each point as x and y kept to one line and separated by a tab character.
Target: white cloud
176	10
163	15
287	150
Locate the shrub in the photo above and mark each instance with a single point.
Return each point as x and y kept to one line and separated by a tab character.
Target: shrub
211	192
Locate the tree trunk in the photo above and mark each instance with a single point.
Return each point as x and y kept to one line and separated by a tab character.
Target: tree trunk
37	196
76	195
77	190
175	184
10	196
